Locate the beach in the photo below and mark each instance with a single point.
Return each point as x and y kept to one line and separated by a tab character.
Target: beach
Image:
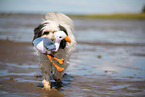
109	59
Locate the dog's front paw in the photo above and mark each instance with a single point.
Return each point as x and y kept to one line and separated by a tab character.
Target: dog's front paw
46	84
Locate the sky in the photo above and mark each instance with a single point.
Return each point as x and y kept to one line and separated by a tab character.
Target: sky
72	6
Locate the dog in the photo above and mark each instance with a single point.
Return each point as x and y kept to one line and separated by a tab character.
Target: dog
52	23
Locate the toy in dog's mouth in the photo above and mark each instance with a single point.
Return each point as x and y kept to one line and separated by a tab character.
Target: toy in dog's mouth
67	39
47	46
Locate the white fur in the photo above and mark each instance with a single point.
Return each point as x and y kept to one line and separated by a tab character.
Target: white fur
54	20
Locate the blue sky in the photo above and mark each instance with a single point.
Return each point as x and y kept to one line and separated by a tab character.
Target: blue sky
72	6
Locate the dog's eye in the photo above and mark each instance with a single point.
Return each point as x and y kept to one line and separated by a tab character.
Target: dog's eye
46	32
60	37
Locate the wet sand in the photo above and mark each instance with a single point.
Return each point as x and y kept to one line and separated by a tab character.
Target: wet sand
110	62
20	79
13	52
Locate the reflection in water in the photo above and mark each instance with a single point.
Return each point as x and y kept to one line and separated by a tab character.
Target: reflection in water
114	60
66	80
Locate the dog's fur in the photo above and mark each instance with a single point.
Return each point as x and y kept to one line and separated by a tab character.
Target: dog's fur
55	22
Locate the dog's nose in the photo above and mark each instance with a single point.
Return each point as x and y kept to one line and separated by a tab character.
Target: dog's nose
53	38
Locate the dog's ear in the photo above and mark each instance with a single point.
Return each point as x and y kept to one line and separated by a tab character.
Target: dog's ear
63	42
38	31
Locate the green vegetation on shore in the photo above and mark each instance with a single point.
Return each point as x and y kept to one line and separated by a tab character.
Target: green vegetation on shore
97	16
112	16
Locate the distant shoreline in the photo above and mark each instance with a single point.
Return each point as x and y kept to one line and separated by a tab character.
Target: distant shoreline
97	16
112	16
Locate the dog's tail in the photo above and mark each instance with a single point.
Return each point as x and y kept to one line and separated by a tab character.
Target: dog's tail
59	18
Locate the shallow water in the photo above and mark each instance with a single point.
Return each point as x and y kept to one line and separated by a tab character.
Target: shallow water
109	59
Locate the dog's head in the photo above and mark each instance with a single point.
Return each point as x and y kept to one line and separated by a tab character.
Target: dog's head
47	29
52	23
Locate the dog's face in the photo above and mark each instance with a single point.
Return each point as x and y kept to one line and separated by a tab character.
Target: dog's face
48	30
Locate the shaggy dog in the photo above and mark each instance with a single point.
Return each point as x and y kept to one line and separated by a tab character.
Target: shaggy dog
55	22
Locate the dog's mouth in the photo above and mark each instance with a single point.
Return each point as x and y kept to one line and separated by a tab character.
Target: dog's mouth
52	40
48	37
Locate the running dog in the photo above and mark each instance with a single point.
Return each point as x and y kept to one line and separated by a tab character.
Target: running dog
52	23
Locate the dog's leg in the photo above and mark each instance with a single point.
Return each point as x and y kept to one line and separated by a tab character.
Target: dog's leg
57	77
46	84
46	68
62	53
59	69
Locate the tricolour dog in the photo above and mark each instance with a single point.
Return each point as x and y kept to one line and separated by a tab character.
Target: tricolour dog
52	23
